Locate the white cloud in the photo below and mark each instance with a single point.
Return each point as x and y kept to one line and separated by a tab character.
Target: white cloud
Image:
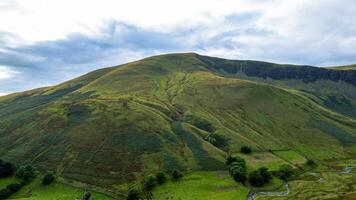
49	41
6	73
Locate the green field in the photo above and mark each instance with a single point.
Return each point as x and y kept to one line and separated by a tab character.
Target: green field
202	185
291	156
262	159
56	191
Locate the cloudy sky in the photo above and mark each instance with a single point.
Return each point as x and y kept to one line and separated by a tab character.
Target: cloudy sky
44	42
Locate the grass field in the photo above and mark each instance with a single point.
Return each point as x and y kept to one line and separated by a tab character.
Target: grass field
262	159
56	191
202	185
291	156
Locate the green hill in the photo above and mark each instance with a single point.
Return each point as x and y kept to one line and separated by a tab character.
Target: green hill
176	111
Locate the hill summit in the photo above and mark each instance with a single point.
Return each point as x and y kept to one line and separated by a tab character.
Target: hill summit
177	111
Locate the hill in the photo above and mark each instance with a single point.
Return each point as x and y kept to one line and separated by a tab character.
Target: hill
175	111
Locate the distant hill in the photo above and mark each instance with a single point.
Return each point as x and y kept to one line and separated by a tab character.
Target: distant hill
177	111
346	67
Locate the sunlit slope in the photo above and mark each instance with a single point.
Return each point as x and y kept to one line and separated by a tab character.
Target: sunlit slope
161	113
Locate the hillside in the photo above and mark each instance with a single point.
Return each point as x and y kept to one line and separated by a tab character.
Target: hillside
115	124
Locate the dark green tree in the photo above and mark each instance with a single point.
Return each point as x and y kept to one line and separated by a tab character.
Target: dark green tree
133	195
245	150
256	179
267	176
87	196
176	175
150	183
48	178
161	178
6	169
285	172
25	172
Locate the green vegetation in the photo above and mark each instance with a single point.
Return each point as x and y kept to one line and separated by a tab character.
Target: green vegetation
178	111
246	150
161	178
48	178
202	185
259	177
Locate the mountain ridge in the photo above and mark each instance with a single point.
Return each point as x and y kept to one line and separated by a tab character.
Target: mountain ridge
116	124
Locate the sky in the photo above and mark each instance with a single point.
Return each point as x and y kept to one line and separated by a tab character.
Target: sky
45	42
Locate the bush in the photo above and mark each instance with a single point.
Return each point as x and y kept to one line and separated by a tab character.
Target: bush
230	160
5	193
161	178
310	162
239	174
259	177
246	150
6	169
176	175
150	183
285	172
133	195
14	187
87	196
48	178
25	172
9	190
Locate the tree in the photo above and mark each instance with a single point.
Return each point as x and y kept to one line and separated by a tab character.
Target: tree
239	175
5	193
25	172
176	175
246	150
256	179
310	162
6	169
150	183
161	178
230	160
133	195
265	174
285	172
259	177
48	178
14	187
87	196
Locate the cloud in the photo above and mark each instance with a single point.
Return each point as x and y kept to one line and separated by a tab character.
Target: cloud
45	46
6	73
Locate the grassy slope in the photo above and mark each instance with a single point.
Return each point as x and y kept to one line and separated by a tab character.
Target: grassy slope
116	124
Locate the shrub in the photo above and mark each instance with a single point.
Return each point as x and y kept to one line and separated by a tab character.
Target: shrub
48	178
6	169
310	162
150	183
246	150
161	178
133	195
265	174
239	174
285	172
14	187
9	190
176	175
230	160
87	196
5	193
25	172
259	177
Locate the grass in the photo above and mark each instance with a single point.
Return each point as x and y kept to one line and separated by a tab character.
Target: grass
262	159
202	185
56	191
291	156
8	180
